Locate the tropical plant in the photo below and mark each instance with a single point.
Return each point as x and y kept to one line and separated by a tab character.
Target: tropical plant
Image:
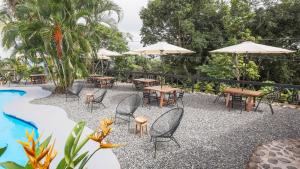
40	155
54	29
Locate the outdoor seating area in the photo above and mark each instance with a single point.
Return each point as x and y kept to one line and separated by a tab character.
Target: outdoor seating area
207	131
150	84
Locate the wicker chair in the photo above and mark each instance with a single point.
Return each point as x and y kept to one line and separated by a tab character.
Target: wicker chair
179	96
126	108
75	90
148	97
111	83
98	99
238	100
220	96
164	127
268	99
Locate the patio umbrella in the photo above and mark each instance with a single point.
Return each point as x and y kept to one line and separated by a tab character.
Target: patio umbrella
104	58
103	54
162	48
131	53
250	48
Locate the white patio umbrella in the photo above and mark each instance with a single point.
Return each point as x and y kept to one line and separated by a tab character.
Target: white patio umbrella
250	48
162	48
131	53
104	58
103	54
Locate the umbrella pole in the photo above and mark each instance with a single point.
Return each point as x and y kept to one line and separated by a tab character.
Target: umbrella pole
237	71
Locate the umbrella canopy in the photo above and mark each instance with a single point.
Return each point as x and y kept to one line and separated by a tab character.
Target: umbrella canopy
104	58
105	52
252	48
162	48
131	53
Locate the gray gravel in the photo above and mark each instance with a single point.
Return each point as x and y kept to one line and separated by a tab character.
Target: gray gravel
211	137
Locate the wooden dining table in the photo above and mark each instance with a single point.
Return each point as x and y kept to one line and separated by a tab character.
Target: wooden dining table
38	78
163	90
146	82
103	80
250	94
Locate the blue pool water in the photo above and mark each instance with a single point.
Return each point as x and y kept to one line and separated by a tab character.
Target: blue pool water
13	129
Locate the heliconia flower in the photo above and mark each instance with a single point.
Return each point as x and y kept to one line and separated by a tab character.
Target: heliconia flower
105	131
58	40
35	159
109	145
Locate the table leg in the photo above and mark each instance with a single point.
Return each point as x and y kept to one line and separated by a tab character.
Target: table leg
175	97
227	99
161	102
249	104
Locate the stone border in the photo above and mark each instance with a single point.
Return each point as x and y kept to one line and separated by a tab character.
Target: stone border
52	120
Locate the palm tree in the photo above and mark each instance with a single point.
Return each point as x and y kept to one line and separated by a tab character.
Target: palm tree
52	30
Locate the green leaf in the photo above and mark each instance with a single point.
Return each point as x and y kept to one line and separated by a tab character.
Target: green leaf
80	158
44	144
2	150
70	142
11	165
62	164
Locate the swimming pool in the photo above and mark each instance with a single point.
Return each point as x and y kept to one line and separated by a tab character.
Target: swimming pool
13	129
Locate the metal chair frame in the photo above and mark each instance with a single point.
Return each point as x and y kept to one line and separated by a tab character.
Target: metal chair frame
166	134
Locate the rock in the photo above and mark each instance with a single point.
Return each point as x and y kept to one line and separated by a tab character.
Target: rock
266	166
291	167
275	149
272	161
284	160
272	154
260	153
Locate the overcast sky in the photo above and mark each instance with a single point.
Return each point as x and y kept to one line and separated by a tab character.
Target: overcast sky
131	22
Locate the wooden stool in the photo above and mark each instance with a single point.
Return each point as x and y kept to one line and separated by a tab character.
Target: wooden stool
141	124
88	98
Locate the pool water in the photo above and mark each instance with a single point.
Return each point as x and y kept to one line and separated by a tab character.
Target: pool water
13	129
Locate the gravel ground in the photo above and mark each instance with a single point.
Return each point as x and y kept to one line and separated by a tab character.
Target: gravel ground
211	137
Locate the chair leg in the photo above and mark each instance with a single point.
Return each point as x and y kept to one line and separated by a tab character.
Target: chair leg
172	138
257	106
92	106
216	99
128	123
115	121
155	143
270	105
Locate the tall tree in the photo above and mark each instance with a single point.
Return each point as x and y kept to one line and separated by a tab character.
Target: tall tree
52	30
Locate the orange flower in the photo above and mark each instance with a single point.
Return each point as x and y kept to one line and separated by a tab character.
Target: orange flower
105	131
34	157
58	40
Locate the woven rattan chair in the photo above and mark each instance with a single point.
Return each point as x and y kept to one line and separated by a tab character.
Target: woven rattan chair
268	99
237	100
126	108
148	97
179	97
164	127
74	91
98	99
